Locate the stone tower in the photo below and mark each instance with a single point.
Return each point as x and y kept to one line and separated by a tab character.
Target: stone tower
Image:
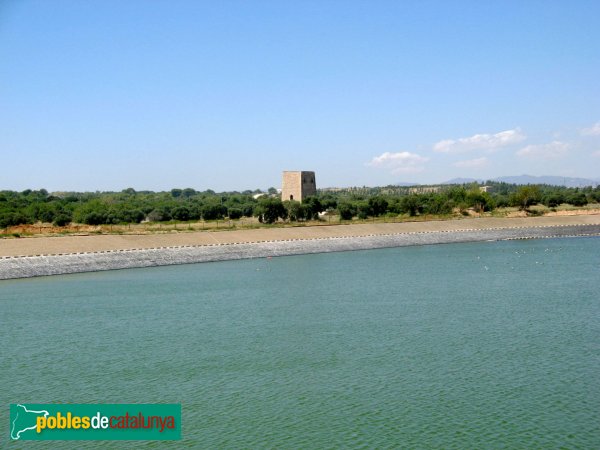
298	185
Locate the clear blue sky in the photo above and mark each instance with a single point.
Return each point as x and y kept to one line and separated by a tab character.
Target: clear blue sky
105	95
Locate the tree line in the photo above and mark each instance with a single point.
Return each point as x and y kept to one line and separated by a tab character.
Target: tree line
130	206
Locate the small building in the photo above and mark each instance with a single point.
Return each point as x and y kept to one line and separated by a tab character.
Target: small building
298	185
424	190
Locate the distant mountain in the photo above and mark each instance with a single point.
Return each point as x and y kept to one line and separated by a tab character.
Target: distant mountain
552	180
462	181
531	179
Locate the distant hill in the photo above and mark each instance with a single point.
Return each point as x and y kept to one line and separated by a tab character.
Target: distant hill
531	179
462	181
403	183
552	180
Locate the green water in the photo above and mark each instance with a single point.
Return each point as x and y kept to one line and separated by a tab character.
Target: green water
481	345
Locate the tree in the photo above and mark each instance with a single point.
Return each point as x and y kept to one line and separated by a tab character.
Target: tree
526	196
93	212
457	193
213	211
363	210
247	209
411	204
188	192
312	207
480	201
554	199
438	204
577	199
14	218
501	200
95	218
234	213
294	210
270	209
129	215
378	205
164	211
181	213
328	202
346	211
61	220
154	216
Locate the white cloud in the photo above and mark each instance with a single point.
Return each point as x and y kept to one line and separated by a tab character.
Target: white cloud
472	163
400	162
480	142
594	130
553	150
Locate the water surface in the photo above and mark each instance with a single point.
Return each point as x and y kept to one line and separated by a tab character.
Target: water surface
480	345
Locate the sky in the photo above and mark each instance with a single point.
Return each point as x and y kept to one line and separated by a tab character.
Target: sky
225	95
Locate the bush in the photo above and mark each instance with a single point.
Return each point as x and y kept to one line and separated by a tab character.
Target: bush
363	210
438	204
345	211
480	201
61	220
296	210
535	212
412	204
154	216
181	213
501	201
378	206
553	200
577	199
234	213
14	218
213	212
95	218
311	207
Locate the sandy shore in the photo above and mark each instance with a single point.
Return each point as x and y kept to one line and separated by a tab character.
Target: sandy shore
27	257
96	243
